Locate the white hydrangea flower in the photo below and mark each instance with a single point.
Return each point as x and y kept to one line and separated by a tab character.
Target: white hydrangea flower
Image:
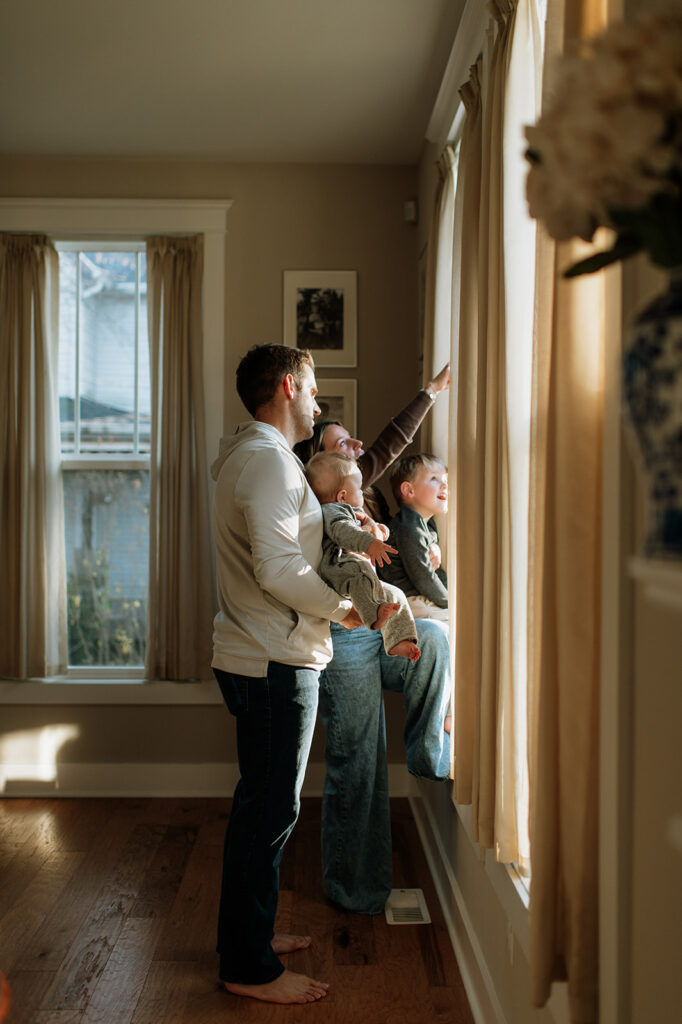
611	136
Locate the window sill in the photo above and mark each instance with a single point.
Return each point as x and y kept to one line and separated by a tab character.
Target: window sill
510	887
661	580
123	691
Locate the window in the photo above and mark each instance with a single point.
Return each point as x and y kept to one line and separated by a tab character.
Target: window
104	408
120	222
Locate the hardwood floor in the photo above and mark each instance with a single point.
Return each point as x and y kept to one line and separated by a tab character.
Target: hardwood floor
108	909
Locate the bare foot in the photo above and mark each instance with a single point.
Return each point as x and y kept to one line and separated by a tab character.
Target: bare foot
287	988
282	943
447	724
384	612
406	649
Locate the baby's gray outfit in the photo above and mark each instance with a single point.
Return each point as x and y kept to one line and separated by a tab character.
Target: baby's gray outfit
351	575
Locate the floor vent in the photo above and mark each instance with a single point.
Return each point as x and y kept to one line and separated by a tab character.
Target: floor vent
407	906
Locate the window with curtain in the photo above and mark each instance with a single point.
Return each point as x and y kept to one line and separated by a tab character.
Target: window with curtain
105	413
481	299
104	517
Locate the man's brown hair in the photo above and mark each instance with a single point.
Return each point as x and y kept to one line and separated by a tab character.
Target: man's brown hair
263	369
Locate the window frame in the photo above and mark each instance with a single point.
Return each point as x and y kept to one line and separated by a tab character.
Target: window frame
112	221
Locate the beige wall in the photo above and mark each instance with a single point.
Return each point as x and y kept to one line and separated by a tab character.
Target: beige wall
283	217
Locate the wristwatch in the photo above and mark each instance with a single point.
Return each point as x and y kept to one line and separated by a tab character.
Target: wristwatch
430	392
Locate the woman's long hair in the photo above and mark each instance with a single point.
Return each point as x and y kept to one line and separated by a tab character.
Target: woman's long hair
312	445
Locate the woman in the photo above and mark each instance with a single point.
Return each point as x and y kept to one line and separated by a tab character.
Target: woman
356	828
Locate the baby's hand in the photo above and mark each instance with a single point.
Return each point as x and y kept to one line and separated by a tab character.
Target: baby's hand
378	553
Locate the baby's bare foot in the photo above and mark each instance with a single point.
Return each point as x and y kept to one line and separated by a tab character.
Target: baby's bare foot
384	612
289	987
447	724
406	649
282	943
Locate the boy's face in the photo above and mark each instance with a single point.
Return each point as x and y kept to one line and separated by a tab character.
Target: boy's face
428	492
351	492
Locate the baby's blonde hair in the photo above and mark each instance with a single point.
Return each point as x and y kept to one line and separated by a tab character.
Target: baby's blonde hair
326	473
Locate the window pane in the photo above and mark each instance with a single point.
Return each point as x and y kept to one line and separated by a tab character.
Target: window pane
107	546
68	270
107	351
104	392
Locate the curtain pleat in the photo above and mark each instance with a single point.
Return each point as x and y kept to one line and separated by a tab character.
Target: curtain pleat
32	550
565	602
181	605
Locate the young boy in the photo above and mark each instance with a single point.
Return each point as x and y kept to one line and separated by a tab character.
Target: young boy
420	486
351	546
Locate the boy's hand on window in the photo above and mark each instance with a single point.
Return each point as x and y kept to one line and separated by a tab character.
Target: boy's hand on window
378	552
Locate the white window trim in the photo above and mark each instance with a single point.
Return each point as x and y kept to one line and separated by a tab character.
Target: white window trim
81	220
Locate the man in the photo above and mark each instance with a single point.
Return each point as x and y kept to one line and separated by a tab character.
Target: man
270	642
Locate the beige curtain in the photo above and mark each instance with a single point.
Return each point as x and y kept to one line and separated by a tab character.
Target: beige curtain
483	612
32	557
466	541
181	606
564	604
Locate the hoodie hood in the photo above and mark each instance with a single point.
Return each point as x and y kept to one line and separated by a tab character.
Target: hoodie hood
251	430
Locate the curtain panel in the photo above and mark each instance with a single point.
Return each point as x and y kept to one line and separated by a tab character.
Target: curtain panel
32	556
565	600
181	604
484	735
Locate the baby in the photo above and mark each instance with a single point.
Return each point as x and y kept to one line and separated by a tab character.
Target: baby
352	544
420	486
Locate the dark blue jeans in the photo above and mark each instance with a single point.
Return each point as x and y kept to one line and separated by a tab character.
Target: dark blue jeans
275	718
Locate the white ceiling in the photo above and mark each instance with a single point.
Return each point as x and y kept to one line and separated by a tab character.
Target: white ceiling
313	81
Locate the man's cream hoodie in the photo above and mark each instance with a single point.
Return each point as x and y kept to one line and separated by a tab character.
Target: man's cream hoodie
267	526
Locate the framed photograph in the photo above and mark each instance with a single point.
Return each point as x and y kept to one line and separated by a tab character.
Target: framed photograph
338	400
320	313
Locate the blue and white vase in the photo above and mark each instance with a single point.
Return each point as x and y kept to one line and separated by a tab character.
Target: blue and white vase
652	390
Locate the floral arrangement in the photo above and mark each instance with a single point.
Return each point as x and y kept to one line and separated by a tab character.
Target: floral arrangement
608	149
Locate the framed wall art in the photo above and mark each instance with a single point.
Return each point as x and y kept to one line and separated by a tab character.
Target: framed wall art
320	313
338	400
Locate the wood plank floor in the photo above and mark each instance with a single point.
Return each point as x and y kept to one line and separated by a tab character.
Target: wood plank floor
108	915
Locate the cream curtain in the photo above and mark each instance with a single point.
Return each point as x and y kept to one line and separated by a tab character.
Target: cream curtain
564	603
181	606
484	741
32	558
465	540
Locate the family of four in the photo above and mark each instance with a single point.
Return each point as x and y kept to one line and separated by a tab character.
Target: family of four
305	620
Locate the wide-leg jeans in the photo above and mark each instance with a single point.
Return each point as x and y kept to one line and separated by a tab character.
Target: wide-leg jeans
356	825
275	718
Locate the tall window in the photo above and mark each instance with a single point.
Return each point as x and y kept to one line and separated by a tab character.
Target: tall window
104	406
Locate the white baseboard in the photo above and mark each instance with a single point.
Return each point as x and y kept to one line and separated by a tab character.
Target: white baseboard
152	780
478	982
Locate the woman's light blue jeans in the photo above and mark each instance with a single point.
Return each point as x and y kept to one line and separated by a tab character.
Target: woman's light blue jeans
356	827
